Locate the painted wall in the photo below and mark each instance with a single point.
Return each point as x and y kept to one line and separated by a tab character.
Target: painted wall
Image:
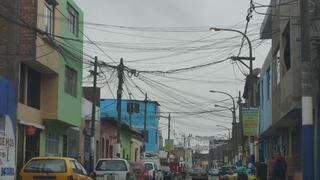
265	102
69	107
125	145
108	109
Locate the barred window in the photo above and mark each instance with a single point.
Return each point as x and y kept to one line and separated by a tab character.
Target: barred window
52	142
73	20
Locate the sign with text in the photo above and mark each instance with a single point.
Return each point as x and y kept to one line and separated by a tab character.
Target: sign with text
7	130
250	118
168	145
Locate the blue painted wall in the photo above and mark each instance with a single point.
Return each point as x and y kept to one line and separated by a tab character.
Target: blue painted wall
265	100
108	110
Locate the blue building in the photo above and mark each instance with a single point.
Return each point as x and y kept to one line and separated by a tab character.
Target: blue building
265	105
135	117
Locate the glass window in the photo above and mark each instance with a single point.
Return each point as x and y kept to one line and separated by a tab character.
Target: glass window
133	107
268	83
70	82
111	165
73	20
46	166
49	16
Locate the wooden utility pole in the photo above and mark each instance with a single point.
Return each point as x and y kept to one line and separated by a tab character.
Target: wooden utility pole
120	69
169	121
93	114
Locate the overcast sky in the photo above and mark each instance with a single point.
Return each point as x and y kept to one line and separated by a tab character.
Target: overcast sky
173	34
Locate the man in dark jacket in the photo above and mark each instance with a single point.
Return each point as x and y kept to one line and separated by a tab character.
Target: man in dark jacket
279	169
262	170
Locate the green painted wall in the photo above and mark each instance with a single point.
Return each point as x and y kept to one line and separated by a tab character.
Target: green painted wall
69	107
126	144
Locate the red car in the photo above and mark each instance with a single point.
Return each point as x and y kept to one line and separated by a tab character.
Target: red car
140	171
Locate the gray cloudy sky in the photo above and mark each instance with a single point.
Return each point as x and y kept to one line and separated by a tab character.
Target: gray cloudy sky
173	34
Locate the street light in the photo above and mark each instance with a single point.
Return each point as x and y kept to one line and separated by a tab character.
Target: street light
229	136
233	111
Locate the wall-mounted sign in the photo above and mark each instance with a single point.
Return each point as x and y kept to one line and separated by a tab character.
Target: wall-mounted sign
250	118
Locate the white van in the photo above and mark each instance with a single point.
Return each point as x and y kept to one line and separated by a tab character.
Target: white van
156	170
113	168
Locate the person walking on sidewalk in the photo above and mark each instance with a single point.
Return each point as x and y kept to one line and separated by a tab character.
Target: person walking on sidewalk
279	169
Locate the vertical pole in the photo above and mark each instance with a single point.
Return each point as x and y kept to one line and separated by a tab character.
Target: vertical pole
241	127
306	99
145	121
93	114
119	99
169	121
130	109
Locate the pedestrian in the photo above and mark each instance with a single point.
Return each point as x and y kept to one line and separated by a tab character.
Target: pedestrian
262	170
279	168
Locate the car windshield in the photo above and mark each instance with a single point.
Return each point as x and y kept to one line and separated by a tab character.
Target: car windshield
46	166
111	165
148	166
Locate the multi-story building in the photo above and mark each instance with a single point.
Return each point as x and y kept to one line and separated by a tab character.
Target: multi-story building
281	119
132	113
46	69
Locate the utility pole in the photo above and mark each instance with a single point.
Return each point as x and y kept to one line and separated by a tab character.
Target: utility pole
306	98
130	109
93	114
169	121
145	121
240	121
120	69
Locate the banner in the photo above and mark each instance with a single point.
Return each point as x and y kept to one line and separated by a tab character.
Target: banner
250	118
7	130
168	145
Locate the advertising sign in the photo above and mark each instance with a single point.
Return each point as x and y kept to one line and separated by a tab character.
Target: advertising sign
168	145
250	118
7	130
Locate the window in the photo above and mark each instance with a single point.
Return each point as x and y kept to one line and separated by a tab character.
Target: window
52	142
33	84
29	86
277	61
287	47
49	17
156	140
73	20
70	82
268	83
111	165
46	166
133	107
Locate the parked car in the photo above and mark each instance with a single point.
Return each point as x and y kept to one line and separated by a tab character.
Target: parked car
226	170
152	171
213	171
158	175
199	173
43	168
140	171
167	173
113	168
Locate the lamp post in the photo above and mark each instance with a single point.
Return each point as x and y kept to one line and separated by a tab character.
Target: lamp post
229	130
250	58
233	110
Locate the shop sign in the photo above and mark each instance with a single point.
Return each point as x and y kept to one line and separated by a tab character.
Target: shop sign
250	118
168	145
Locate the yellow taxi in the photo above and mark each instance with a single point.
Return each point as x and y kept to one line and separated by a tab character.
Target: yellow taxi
53	168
